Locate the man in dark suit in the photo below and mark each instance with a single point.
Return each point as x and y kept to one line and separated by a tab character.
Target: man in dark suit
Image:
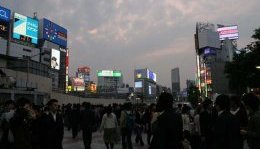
206	122
51	127
226	130
87	118
168	133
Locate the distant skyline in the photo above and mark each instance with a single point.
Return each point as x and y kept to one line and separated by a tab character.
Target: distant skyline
130	34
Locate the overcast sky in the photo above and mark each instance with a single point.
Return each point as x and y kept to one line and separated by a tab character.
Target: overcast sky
130	34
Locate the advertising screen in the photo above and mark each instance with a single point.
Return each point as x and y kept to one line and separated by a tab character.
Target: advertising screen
25	29
4	28
55	59
139	84
140	73
54	33
209	51
109	73
78	84
4	14
84	69
151	75
229	32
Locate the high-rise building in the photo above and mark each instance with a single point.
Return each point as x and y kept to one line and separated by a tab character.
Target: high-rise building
109	81
175	77
145	84
34	53
213	49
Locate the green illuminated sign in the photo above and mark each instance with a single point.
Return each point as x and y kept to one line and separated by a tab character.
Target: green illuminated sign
109	73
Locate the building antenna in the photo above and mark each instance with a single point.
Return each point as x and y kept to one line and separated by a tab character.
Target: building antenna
35	15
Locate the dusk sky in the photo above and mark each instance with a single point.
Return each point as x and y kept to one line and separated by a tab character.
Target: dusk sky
130	34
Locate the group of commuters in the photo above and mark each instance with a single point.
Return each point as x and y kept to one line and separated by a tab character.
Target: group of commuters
229	122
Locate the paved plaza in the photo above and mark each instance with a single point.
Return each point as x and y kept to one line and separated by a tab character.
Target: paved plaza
97	142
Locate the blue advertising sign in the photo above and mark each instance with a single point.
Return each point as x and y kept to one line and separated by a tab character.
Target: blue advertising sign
54	33
5	14
209	51
151	75
25	29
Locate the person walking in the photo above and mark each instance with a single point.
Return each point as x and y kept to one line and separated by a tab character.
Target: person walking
75	118
127	125
6	139
109	125
87	124
21	124
206	124
226	127
252	133
51	127
168	132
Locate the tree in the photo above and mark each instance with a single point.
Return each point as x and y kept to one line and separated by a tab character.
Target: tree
242	71
193	95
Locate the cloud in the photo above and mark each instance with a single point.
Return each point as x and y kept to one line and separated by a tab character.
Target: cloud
128	34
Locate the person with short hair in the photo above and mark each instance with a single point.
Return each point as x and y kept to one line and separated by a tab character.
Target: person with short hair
109	125
21	124
168	132
51	127
226	127
87	118
252	134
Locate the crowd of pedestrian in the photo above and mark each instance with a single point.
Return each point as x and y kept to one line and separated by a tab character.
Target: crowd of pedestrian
229	122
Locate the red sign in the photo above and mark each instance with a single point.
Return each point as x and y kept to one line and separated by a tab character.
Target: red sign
84	70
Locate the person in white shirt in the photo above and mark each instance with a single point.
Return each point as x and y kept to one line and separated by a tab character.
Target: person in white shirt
109	125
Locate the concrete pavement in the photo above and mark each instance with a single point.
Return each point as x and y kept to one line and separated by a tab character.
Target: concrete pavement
97	142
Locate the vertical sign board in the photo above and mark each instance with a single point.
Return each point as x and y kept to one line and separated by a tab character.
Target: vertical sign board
55	59
4	22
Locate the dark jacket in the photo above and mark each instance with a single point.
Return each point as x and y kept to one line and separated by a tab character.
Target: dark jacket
87	118
169	131
227	131
253	136
21	126
51	131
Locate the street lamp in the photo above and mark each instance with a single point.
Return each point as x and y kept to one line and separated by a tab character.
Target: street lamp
257	67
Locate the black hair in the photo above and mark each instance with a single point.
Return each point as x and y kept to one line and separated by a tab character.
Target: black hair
21	102
86	105
206	103
165	101
235	100
108	109
50	102
9	102
252	101
223	102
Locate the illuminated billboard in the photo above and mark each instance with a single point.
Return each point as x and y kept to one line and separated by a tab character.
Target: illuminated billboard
25	29
78	84
138	84
4	14
209	52
4	28
84	69
145	74
229	32
151	75
140	73
109	73
55	59
54	33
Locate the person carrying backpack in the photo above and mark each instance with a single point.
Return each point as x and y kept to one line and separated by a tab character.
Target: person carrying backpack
127	124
